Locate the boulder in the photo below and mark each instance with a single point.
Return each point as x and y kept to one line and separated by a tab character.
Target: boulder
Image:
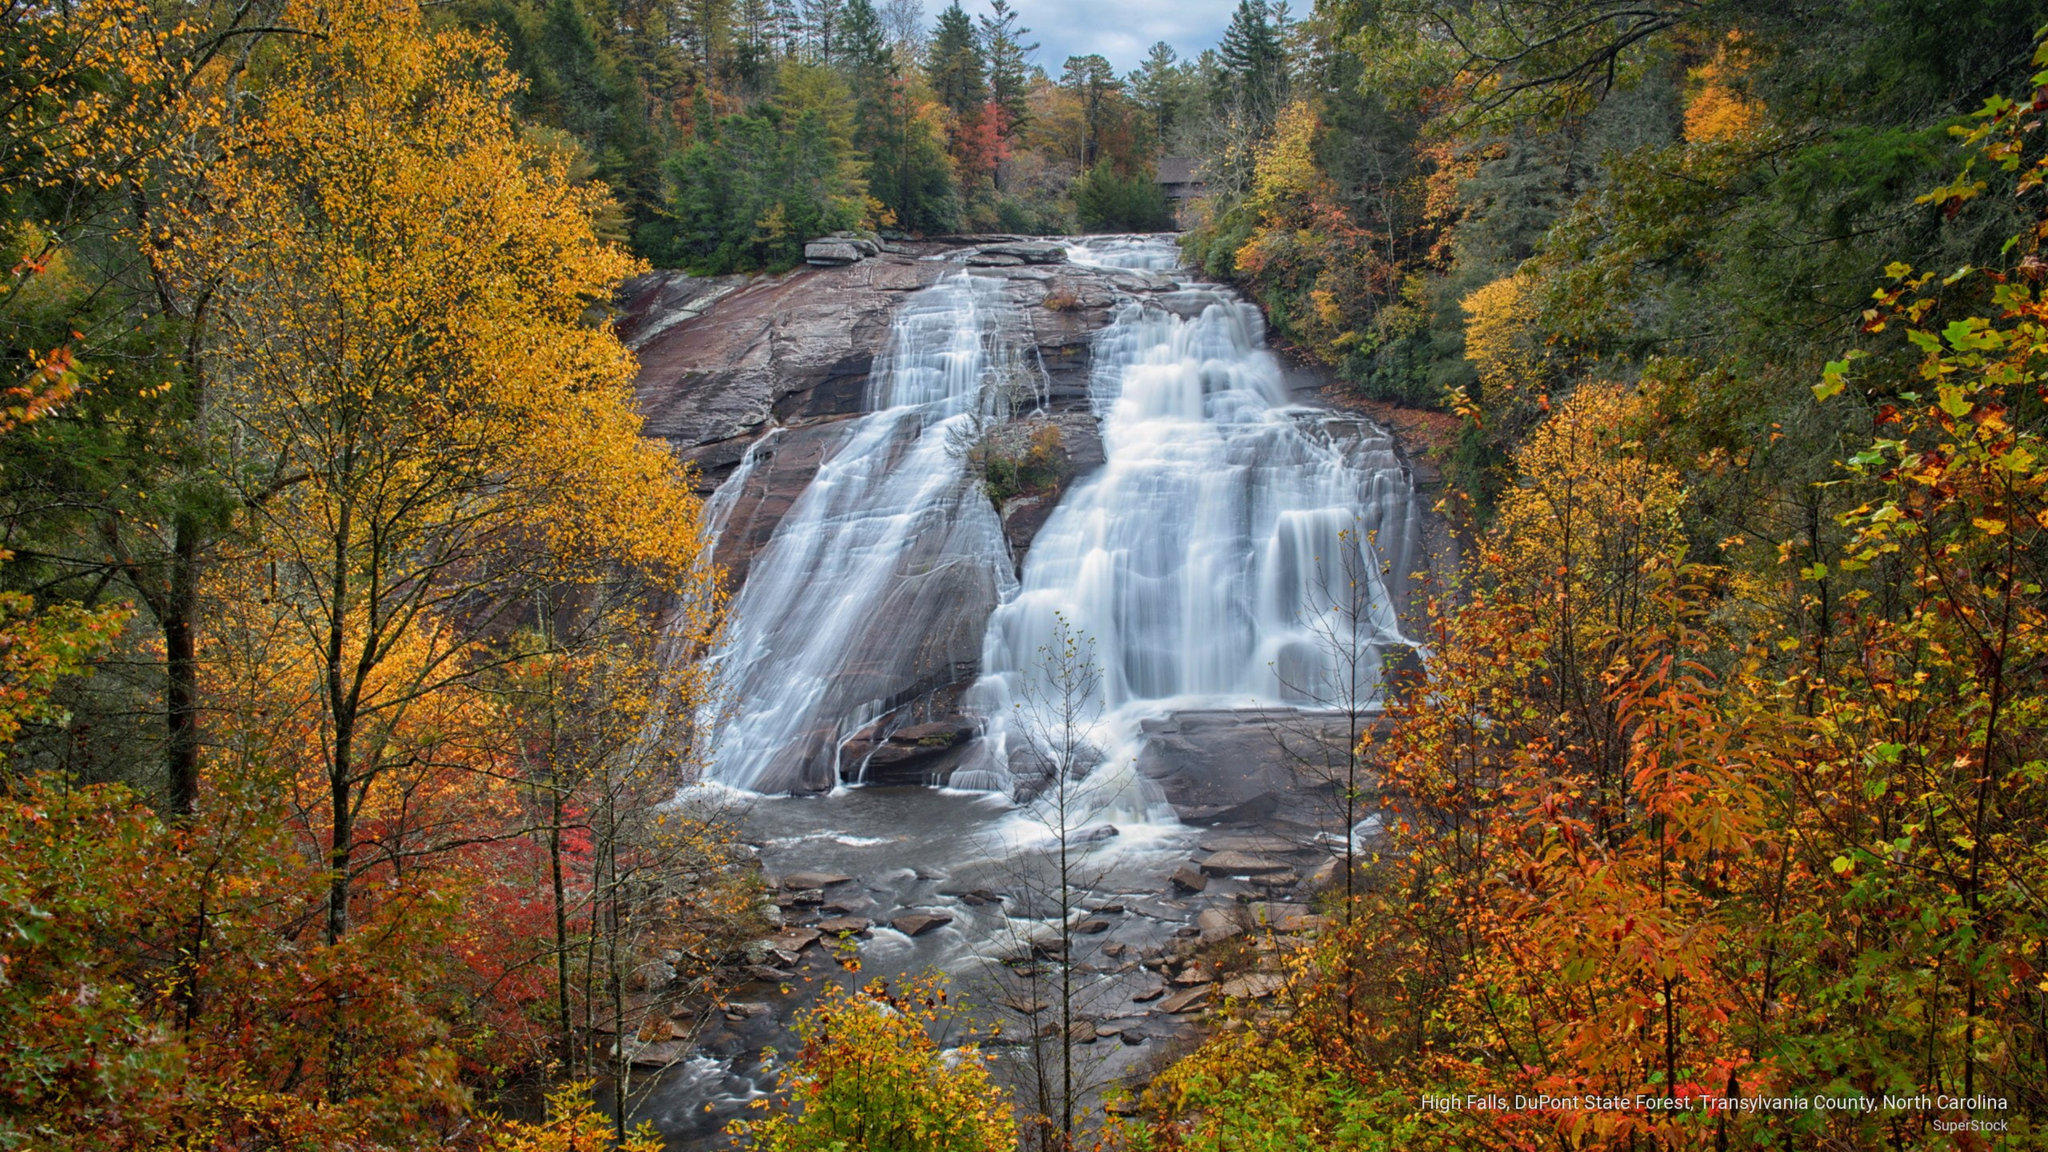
1217	926
841	925
770	975
866	243
1258	844
986	260
799	880
1149	993
831	253
658	1055
1024	252
1254	986
796	939
746	1009
1091	927
1190	879
1193	974
919	923
1187	1000
1325	875
651	976
1242	864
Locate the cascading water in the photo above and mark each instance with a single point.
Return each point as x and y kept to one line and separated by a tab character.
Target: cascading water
810	656
1204	562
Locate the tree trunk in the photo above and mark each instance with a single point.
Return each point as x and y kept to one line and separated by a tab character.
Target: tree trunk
181	670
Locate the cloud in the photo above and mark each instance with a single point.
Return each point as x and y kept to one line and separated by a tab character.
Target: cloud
1120	30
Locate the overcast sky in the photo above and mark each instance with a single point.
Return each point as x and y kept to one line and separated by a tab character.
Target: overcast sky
1121	30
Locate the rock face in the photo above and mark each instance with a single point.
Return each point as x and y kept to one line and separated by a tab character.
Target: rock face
774	366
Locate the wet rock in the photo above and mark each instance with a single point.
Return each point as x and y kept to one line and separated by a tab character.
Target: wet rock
746	1009
1255	986
1091	927
1278	880
1300	922
919	923
937	734
1258	844
1241	864
987	260
1024	1005
771	975
1186	1001
1026	252
802	898
841	925
795	940
1149	993
1115	949
1190	879
1193	974
801	880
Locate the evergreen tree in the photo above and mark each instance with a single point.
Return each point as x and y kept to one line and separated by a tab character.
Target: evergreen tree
821	28
861	49
785	27
1092	82
955	67
1254	64
1008	56
1160	86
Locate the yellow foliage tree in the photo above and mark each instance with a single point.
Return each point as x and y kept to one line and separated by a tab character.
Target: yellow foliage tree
1717	110
431	430
1501	334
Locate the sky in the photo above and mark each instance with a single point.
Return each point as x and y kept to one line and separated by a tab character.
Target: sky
1120	30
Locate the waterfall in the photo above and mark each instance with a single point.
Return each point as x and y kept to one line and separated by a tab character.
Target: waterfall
1213	556
823	631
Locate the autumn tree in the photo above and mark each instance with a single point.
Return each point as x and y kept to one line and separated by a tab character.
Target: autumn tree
431	432
869	1075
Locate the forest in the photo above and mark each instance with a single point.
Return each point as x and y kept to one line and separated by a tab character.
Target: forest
354	640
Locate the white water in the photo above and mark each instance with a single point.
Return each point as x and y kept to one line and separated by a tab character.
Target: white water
891	504
1204	563
1134	253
